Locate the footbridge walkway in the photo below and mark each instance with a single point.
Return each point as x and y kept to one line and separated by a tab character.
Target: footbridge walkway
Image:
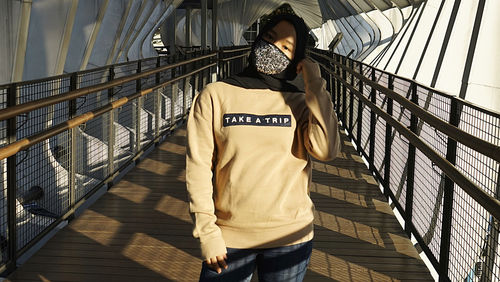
93	180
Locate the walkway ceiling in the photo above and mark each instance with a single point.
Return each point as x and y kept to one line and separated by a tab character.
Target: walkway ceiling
51	37
314	12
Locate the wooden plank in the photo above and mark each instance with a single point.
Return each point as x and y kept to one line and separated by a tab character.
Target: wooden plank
141	229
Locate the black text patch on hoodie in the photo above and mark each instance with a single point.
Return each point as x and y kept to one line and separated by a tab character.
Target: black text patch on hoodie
257	120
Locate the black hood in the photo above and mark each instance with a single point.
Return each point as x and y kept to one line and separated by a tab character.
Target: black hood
251	78
300	46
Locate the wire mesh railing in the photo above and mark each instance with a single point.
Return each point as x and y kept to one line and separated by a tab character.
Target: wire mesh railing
63	138
437	158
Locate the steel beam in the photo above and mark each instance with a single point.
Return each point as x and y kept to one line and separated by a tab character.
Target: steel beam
203	11
22	39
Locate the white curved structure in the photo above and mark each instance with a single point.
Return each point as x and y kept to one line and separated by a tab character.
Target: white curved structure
52	37
396	36
450	45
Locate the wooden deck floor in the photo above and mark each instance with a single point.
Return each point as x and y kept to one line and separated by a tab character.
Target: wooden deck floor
141	230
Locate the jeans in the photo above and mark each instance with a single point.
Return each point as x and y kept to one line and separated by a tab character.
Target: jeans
288	263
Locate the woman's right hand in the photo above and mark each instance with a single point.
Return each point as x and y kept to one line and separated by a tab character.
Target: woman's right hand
309	69
217	263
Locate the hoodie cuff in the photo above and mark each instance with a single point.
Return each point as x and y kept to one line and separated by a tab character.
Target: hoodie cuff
213	247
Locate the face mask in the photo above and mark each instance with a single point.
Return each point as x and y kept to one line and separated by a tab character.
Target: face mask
269	59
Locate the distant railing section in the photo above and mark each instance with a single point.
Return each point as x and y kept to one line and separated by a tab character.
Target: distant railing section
232	60
436	156
63	138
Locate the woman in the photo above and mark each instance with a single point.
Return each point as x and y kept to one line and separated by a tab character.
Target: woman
248	166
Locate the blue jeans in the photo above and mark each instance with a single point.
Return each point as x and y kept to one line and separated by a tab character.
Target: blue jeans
288	263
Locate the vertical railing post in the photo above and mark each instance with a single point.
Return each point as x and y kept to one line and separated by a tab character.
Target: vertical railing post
491	247
360	111
331	80
388	142
244	63
451	154
205	73
351	101
213	69
173	97
157	100
187	82
220	64
111	127
410	176
12	182
158	74
196	85
73	85
337	84
344	94
201	73
137	116
373	121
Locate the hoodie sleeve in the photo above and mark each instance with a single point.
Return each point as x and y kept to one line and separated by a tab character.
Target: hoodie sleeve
320	127
199	170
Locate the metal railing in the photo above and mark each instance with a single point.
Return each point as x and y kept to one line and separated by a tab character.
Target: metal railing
66	137
436	156
232	60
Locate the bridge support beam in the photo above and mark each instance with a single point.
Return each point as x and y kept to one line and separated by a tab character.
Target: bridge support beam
203	39
170	24
214	25
187	24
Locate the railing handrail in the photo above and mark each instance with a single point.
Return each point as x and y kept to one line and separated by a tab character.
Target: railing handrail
426	87
491	204
234	57
59	76
70	95
142	136
432	159
121	64
27	142
465	138
234	50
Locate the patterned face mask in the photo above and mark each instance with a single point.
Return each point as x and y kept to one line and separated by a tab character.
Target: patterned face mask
269	59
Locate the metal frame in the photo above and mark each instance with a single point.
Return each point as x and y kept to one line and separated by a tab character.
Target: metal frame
194	70
453	177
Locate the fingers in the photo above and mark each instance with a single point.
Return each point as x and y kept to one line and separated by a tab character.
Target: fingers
217	263
222	261
309	69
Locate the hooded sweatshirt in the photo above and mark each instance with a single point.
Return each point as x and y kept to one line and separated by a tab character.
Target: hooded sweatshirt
248	163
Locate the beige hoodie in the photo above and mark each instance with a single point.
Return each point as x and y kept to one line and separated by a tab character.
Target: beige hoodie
248	168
